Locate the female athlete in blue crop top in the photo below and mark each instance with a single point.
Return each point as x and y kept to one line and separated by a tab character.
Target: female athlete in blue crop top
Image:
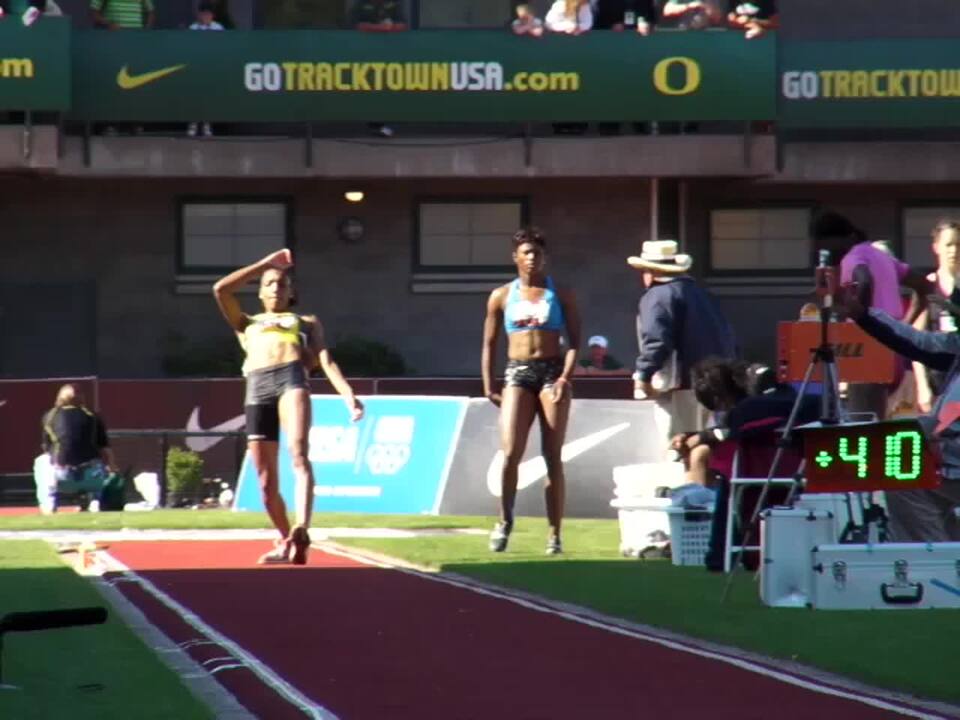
282	347
535	313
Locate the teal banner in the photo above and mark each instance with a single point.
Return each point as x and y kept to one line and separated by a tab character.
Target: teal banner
458	76
870	83
35	64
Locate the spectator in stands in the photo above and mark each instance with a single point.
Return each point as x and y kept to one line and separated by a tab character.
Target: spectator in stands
572	17
679	324
625	15
123	14
946	248
754	18
78	454
221	14
527	22
204	21
379	16
29	11
598	360
690	14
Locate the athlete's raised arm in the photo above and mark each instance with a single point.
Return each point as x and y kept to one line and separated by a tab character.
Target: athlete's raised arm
224	290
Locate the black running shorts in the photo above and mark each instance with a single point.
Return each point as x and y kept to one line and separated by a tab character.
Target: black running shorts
533	375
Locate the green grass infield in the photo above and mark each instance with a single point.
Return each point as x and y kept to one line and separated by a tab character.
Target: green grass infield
81	673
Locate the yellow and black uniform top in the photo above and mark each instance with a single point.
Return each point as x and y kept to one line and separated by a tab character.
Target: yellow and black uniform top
271	327
73	435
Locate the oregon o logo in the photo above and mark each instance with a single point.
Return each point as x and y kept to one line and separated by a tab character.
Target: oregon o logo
691	72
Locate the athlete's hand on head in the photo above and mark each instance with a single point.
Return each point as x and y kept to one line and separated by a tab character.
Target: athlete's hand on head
280	259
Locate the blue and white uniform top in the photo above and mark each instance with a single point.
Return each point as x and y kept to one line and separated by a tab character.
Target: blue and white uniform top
543	314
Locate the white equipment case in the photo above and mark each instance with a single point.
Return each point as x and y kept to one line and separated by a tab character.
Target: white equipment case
787	539
887	576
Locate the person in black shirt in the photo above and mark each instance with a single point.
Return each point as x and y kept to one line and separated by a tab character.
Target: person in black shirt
636	15
75	441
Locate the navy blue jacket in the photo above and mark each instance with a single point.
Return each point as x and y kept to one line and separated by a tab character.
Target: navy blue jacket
940	351
680	316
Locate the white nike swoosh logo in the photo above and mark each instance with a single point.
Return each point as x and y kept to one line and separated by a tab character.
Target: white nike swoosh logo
534	469
201	444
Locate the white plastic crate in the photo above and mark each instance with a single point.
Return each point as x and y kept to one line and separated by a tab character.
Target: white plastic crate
689	535
643	520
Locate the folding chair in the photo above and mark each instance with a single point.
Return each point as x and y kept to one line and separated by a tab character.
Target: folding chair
754	455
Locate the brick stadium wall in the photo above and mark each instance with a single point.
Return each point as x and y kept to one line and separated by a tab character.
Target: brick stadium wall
121	236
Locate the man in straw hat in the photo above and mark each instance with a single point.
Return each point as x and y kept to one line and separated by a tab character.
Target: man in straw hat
679	324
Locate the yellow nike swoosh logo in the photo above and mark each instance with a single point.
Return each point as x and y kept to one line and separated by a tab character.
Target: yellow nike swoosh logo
131	82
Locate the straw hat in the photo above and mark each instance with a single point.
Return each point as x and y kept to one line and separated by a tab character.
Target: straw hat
661	256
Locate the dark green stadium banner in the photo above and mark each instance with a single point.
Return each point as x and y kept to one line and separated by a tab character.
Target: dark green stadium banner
435	76
870	83
35	64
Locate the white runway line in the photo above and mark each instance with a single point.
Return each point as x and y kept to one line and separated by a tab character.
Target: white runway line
261	670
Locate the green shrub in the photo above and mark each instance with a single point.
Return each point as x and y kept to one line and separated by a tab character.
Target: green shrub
359	357
184	474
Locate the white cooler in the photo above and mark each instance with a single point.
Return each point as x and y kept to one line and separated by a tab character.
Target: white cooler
642	479
788	537
643	521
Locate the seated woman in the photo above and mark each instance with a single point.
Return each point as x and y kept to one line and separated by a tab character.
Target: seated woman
753	405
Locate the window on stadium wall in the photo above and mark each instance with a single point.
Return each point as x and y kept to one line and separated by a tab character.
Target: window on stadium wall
753	239
467	235
918	223
218	235
303	14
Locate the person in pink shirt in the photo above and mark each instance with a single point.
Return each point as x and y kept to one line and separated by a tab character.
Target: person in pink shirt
860	261
884	276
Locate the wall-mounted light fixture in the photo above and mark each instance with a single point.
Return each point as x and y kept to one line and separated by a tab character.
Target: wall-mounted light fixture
354	196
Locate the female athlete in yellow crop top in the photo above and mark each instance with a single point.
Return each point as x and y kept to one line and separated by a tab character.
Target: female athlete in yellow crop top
282	348
535	314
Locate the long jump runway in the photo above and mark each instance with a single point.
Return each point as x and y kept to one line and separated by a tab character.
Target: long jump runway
342	638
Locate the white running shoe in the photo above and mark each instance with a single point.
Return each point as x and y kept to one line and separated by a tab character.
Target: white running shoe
500	536
280	555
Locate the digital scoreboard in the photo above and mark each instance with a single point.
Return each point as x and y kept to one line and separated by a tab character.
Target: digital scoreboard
858	457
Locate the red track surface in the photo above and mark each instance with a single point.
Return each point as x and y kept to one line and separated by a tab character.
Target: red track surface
373	643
